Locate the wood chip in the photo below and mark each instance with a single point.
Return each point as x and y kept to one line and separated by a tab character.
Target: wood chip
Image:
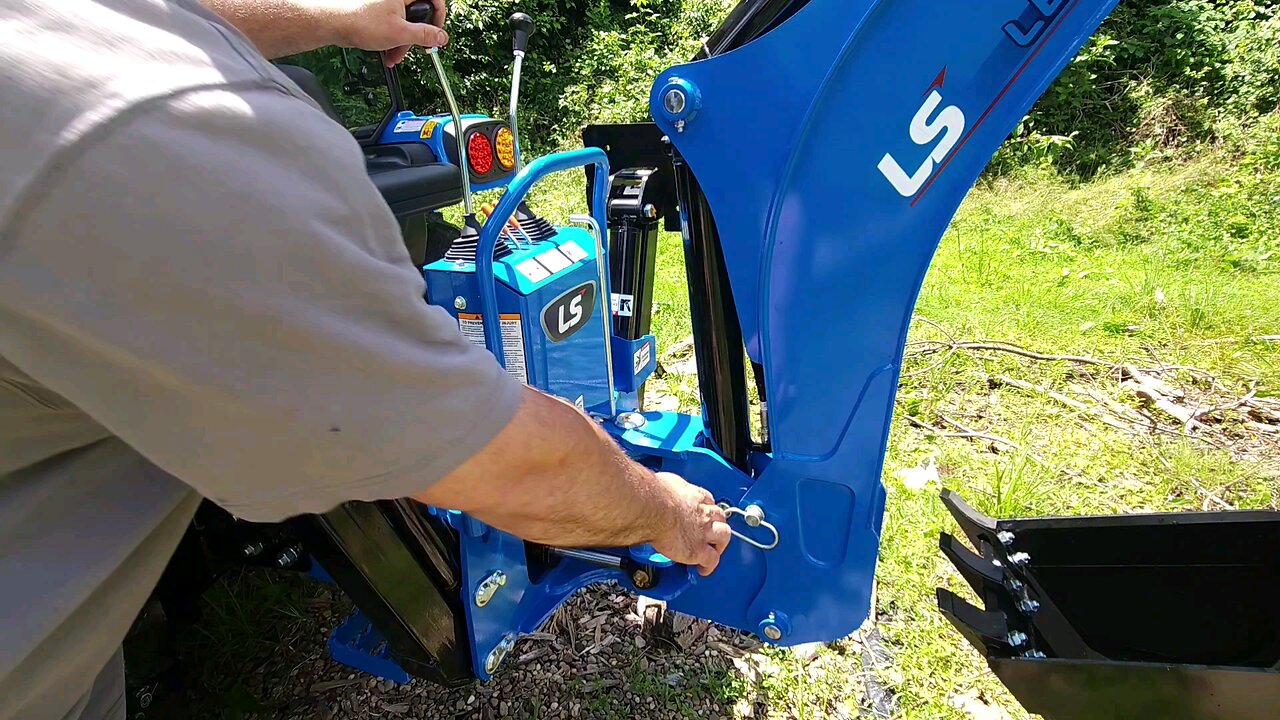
534	655
726	649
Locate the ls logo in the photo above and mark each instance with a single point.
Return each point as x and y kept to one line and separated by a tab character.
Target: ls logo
567	314
940	132
1046	10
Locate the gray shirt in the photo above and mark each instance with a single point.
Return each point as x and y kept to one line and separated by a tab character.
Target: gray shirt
201	294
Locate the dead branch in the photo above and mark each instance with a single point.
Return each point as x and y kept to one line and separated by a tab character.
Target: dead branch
1226	340
965	433
1149	382
1063	399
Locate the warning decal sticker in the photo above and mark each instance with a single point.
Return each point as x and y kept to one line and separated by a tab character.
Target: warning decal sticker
640	359
623	305
512	340
409	126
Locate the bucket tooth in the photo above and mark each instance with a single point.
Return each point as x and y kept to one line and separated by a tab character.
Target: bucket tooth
979	572
977	527
988	631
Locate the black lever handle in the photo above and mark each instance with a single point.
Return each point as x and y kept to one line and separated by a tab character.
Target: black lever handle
523	27
420	12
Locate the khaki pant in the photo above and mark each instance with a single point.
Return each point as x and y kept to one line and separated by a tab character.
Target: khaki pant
105	700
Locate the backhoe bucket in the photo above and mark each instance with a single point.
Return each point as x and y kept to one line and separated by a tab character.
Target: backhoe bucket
1169	616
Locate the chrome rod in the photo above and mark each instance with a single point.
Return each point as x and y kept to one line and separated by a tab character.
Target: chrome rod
511	111
457	130
606	299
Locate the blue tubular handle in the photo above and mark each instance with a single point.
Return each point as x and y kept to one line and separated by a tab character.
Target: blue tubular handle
516	192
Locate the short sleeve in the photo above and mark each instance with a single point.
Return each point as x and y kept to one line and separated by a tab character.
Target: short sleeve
214	279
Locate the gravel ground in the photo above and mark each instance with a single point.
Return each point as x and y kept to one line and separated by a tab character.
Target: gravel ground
260	651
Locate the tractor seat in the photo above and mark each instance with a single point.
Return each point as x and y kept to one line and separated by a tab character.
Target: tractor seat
410	179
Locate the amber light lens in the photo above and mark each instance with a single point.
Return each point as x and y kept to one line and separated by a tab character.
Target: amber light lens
480	153
506	143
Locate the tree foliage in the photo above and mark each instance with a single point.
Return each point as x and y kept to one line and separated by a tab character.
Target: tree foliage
1158	77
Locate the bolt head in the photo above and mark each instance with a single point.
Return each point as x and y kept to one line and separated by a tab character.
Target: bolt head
675	101
773	632
1005	537
630	420
1017	638
1019	558
460	303
641	579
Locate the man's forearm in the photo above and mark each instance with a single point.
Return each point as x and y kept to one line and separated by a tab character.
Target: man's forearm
281	27
553	476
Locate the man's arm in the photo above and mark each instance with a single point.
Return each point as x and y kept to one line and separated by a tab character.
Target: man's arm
217	282
285	27
554	476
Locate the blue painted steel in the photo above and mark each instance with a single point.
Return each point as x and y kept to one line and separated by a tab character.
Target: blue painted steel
505	270
357	643
506	208
633	362
893	107
573	368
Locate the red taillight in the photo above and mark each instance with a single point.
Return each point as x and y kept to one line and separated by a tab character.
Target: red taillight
480	153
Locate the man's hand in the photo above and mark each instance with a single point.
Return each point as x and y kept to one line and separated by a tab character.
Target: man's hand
700	532
286	27
381	25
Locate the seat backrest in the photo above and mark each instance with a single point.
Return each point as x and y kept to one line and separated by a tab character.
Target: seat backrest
307	82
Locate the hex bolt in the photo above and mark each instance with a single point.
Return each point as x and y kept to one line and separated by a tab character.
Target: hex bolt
773	632
649	211
630	420
1016	638
1014	584
460	302
1027	605
1019	558
1033	655
287	557
1005	537
252	549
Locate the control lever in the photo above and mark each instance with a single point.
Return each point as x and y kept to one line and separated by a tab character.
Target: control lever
419	12
464	247
522	27
534	227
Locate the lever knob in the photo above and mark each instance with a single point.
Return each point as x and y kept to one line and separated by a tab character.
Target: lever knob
522	26
420	12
